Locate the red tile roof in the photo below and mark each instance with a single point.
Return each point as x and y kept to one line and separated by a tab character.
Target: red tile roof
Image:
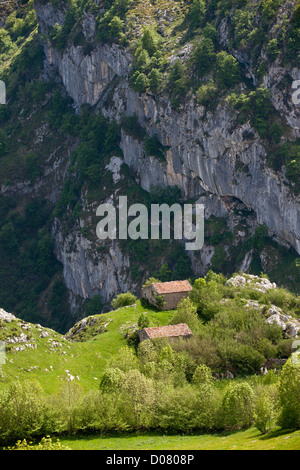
181	329
171	287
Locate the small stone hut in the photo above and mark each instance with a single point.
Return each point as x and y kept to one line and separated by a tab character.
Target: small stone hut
181	330
170	292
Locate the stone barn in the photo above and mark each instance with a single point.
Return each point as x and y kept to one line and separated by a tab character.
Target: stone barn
166	295
173	332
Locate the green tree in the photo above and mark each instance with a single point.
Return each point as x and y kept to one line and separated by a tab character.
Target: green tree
186	312
141	60
264	412
177	78
206	93
197	13
272	49
155	79
115	26
202	375
138	399
289	393
228	70
204	56
151	280
143	321
141	83
112	380
149	41
238	406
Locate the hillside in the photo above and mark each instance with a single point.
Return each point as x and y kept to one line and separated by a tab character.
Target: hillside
166	101
239	368
86	350
35	352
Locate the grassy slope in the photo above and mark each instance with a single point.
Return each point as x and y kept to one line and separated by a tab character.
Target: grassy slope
85	359
251	439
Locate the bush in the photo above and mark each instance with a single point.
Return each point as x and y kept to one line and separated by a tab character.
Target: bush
24	412
228	70
149	41
197	13
186	312
143	321
238	406
140	82
202	375
264	411
177	79
206	93
153	147
46	443
124	299
204	56
155	79
272	49
289	394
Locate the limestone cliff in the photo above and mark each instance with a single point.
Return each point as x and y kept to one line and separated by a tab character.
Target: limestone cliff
206	150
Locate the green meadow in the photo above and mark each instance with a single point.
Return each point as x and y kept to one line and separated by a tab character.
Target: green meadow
85	359
251	439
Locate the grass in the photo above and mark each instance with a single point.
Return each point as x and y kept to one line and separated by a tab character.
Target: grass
86	359
251	439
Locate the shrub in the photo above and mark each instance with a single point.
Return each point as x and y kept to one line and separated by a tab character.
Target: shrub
186	313
124	299
289	394
140	83
154	148
202	375
138	399
24	412
115	26
272	49
238	406
218	258
151	280
204	56
143	321
131	126
228	70
111	380
275	132
155	79
177	79
197	13
206	93
149	41
265	410
46	443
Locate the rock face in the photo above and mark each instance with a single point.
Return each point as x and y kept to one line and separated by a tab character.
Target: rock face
87	273
208	152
